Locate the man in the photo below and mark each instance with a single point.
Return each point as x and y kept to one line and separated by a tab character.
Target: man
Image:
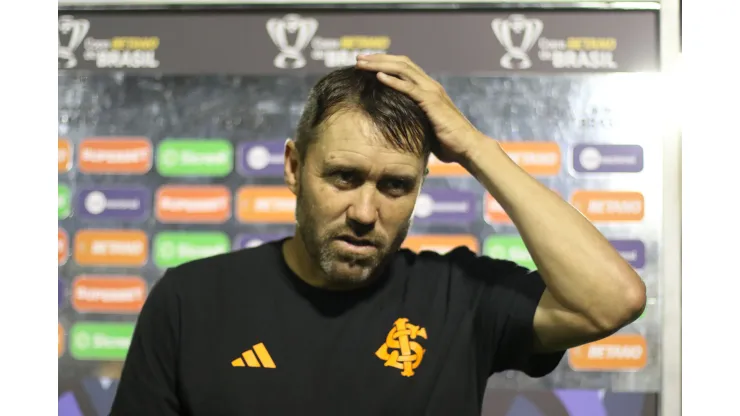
338	320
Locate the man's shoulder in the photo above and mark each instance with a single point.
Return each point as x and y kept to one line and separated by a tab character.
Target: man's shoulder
214	270
452	280
430	259
459	262
433	267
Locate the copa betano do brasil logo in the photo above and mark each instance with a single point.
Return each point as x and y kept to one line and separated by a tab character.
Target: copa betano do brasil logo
519	35
295	37
118	52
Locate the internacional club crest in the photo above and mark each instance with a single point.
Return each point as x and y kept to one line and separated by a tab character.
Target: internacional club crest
400	349
74	30
291	56
529	29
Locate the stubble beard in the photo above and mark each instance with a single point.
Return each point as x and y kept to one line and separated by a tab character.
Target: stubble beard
341	269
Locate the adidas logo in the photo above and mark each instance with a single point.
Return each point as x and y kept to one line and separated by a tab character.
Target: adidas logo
255	357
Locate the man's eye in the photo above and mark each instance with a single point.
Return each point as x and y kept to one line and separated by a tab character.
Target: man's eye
396	186
344	178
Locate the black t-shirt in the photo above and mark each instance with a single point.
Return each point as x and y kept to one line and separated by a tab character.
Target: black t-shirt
240	334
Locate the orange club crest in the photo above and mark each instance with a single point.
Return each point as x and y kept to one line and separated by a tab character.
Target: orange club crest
401	349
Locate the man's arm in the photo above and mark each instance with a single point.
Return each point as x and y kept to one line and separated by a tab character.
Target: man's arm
591	290
148	380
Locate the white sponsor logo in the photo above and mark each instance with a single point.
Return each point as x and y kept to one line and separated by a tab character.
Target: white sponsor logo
259	158
119	52
76	29
291	55
333	52
426	206
122	52
274	204
118	295
185	250
592	159
574	52
117	248
195	206
128	156
103	341
530	29
96	203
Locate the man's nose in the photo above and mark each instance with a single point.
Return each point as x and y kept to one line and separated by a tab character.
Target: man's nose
364	209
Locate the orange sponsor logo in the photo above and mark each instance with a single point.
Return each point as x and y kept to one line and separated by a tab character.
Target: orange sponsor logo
108	294
438	168
493	212
440	243
65	155
115	155
609	206
204	204
621	352
265	204
111	248
401	349
62	246
60	339
537	158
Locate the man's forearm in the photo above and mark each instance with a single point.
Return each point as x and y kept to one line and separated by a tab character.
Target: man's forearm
580	267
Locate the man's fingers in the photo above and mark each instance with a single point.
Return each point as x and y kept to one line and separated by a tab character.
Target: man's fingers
400	73
400	68
391	67
407	87
390	58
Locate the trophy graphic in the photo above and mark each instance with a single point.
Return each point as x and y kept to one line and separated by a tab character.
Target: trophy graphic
517	24
76	29
304	28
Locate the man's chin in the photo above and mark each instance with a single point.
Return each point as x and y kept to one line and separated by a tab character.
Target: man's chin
349	273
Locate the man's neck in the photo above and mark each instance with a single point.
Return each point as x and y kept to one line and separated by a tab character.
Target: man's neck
300	263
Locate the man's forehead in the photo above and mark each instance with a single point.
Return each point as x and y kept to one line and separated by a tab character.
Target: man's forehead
358	156
347	128
353	138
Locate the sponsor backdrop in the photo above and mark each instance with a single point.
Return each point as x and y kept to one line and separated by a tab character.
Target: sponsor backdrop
171	129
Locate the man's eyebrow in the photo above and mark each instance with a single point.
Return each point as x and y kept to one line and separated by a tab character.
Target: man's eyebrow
333	163
329	165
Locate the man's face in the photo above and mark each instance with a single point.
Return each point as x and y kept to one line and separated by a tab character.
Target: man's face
355	198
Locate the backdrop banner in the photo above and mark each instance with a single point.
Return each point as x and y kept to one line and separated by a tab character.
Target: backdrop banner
270	43
171	135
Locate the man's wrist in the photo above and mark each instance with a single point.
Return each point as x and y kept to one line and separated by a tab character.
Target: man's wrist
483	153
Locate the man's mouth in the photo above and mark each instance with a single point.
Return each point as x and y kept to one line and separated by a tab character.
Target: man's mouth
359	242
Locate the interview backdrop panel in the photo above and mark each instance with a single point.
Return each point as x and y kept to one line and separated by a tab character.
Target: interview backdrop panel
171	132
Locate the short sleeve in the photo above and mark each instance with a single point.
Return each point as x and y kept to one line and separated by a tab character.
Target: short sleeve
508	297
149	377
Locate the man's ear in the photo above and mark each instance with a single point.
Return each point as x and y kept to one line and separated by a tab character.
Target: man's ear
291	168
425	173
